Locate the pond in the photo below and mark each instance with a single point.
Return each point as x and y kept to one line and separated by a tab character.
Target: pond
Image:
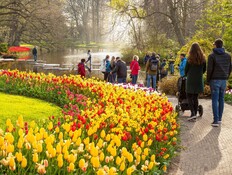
73	56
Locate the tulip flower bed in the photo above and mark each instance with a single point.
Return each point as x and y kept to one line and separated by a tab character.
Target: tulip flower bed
104	129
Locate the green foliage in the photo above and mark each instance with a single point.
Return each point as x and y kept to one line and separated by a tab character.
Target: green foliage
216	22
12	106
3	47
205	44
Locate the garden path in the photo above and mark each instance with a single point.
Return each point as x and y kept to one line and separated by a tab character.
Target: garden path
205	150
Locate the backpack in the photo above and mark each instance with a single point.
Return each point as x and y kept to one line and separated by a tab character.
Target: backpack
153	65
103	66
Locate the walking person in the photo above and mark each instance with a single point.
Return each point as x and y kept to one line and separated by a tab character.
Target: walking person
152	68
121	70
182	64
108	70
163	71
194	70
134	67
218	72
89	60
112	77
34	52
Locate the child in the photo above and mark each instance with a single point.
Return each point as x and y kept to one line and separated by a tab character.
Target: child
81	68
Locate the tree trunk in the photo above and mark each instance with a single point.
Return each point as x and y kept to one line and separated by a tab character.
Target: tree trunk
175	22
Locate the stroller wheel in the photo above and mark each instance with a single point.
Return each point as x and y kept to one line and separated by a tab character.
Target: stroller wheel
177	108
200	110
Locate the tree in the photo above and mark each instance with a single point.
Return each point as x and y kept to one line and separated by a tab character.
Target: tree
39	21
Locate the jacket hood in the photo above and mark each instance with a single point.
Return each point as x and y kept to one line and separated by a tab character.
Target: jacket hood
219	51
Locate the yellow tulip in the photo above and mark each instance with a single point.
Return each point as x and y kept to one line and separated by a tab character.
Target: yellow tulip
35	157
118	160
60	136
129	171
9	137
130	157
102	156
24	162
11	162
103	134
39	147
100	143
151	165
100	172
60	160
139	151
122	166
146	151
10	148
152	158
94	152
149	142
145	137
86	141
81	163
71	167
95	162
166	156
19	156
107	137
50	126
112	171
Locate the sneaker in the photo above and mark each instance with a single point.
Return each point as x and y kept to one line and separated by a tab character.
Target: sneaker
219	122
192	117
214	124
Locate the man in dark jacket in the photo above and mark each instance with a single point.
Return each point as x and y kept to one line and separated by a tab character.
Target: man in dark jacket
121	70
218	71
34	52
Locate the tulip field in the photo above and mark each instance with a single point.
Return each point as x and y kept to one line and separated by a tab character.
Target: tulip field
104	129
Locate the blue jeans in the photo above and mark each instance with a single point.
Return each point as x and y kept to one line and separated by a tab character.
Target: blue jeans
134	79
153	77
217	88
121	80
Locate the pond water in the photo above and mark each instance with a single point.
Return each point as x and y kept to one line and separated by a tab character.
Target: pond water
73	56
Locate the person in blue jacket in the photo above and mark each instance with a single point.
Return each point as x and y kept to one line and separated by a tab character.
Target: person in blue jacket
182	64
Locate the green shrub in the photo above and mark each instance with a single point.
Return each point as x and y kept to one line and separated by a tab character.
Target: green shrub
168	85
3	47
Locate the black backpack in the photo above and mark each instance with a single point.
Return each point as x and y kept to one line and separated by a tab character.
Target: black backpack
153	65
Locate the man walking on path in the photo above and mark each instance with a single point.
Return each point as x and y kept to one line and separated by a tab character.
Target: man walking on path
34	52
89	60
218	71
182	64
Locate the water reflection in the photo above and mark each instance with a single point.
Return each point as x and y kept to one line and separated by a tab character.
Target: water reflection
73	56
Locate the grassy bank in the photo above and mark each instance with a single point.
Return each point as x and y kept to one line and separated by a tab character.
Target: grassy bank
11	106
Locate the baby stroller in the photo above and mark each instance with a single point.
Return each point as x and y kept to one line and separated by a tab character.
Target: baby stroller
182	98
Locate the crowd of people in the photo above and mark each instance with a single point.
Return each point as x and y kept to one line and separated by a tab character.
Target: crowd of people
192	67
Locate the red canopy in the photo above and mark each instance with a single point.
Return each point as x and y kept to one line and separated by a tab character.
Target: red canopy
18	49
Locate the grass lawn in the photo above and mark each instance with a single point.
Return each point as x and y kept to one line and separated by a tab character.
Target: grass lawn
12	106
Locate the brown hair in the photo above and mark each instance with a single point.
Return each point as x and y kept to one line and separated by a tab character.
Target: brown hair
196	55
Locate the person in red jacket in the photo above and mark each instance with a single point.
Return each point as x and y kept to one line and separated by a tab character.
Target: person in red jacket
81	68
134	67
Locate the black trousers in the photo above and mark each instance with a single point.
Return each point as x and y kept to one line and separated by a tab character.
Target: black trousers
106	75
193	103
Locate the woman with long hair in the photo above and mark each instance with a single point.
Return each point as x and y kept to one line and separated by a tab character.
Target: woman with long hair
194	70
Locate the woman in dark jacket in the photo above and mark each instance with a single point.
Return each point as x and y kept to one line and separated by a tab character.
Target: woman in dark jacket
194	70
